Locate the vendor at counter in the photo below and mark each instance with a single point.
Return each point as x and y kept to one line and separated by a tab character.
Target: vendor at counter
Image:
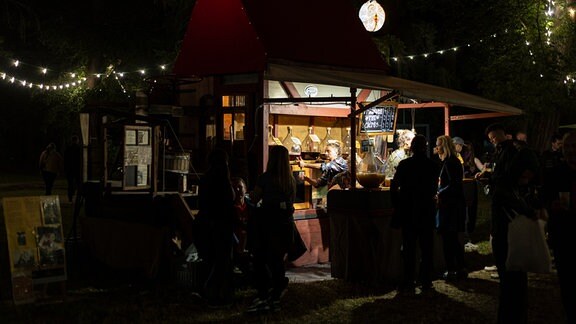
336	164
404	141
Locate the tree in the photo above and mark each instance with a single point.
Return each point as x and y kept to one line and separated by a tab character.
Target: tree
516	52
115	39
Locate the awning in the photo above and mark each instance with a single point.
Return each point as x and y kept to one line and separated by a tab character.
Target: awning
379	81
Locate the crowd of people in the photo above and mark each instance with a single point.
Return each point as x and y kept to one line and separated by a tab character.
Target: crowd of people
428	197
233	222
236	226
518	180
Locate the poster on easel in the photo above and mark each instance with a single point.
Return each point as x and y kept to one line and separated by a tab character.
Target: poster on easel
35	243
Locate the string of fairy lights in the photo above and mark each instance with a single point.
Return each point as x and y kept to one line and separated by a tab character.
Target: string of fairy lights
72	79
75	80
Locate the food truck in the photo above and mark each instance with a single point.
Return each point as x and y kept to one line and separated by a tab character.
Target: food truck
246	79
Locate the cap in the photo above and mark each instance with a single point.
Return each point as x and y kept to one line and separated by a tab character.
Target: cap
458	140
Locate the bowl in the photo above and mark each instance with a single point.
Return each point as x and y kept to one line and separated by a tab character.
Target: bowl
370	180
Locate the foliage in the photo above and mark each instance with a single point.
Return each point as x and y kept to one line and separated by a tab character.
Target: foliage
505	54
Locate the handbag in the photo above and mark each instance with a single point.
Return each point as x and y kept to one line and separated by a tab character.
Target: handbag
527	247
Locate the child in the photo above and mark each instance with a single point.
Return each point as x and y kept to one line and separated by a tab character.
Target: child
241	216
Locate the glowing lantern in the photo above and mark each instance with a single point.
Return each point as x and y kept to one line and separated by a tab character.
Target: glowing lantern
372	15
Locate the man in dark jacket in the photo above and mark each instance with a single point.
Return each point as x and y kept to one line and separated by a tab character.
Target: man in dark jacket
511	175
413	189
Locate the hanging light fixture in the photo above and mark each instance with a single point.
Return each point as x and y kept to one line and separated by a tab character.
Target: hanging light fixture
372	15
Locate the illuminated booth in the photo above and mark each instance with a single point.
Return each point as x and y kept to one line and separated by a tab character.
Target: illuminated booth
245	80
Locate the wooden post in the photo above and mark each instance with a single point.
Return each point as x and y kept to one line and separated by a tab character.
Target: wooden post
352	166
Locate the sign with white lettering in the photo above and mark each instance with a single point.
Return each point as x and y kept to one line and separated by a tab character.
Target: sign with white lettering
379	119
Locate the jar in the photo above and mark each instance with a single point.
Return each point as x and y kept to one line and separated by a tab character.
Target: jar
370	172
271	139
327	139
311	146
293	144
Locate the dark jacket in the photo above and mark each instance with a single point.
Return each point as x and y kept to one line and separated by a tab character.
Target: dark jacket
510	164
330	169
412	190
451	199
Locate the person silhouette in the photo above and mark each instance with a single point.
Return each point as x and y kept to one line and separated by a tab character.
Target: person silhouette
50	164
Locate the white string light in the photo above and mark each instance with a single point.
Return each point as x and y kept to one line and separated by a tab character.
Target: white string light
25	83
550	12
16	63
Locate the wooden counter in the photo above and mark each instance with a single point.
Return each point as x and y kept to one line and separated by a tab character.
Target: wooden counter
363	246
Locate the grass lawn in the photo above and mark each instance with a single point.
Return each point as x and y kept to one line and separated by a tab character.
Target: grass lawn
120	298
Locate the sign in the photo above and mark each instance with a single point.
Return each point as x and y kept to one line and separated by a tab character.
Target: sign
137	157
35	243
379	119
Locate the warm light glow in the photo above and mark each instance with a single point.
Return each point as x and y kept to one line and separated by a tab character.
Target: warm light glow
372	15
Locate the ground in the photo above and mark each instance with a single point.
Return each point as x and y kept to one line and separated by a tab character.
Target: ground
98	295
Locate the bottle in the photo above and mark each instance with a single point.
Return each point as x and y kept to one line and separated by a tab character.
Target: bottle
346	144
271	139
310	143
293	144
370	172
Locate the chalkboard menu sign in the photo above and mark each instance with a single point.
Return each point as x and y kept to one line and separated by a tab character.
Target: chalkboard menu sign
379	119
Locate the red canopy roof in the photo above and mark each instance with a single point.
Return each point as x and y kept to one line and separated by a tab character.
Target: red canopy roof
242	36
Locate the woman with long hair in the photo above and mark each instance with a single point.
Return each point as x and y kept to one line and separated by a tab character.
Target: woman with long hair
273	229
451	216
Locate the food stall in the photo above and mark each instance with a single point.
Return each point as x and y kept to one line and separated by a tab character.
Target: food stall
266	80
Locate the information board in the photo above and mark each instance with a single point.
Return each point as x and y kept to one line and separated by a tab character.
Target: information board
137	157
35	243
380	119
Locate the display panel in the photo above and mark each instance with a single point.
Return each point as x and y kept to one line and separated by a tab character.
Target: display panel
379	120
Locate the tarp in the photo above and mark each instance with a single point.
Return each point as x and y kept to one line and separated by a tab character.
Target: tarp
241	36
324	39
374	80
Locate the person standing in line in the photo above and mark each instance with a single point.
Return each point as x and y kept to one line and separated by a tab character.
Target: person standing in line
214	229
451	216
273	229
560	184
50	164
404	141
73	166
413	193
552	157
521	136
471	165
459	146
512	171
